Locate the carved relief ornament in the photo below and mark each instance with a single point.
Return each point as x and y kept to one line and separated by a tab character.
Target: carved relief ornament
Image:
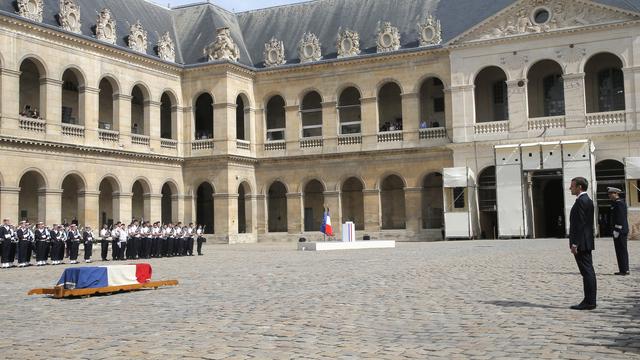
69	16
430	31
106	27
138	37
537	16
31	9
166	48
274	53
309	48
348	43
223	48
388	38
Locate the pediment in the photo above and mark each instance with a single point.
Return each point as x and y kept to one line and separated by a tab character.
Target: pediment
527	17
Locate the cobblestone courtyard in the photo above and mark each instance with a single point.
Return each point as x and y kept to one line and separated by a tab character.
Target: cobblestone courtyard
472	299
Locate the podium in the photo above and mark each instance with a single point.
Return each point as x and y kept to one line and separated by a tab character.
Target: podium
348	232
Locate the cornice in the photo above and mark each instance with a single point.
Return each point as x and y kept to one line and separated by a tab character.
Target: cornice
64	147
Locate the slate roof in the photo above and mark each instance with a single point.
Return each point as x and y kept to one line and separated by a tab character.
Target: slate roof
194	26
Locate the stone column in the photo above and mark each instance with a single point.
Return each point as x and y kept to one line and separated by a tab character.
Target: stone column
462	113
188	212
122	210
253	222
89	203
574	103
225	208
295	223
153	207
9	103
371	209
223	131
410	116
293	129
50	206
10	203
51	104
89	100
123	114
330	126
261	223
178	127
332	201
259	131
152	123
187	132
369	127
413	208
632	97
518	108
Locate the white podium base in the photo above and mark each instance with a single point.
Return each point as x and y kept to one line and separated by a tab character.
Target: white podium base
339	245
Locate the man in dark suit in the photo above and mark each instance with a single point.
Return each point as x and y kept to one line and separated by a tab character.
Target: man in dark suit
620	229
581	241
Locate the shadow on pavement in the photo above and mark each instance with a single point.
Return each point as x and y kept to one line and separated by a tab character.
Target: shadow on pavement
520	304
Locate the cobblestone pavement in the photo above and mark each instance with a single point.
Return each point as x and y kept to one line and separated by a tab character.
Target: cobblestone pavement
451	300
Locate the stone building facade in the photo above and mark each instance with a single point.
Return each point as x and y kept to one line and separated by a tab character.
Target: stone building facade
252	123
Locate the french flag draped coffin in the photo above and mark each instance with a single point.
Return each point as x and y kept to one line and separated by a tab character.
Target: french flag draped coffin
102	276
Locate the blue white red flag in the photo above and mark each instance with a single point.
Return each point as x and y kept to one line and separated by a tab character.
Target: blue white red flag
326	224
103	276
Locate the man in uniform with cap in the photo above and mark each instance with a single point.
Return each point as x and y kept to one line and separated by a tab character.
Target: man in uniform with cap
620	227
6	242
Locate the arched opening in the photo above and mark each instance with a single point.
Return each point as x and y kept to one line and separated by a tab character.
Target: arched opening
390	107
349	111
241	128
392	203
138	111
311	113
545	89
313	205
352	200
491	97
31	199
107	104
108	204
204	117
32	97
204	207
432	109
71	111
71	206
432	202
487	202
276	120
277	207
139	203
604	83
244	209
167	126
168	195
548	203
609	173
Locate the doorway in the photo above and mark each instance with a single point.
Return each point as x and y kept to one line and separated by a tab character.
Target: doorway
548	204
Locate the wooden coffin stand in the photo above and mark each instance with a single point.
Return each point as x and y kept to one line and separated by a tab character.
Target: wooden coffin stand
60	292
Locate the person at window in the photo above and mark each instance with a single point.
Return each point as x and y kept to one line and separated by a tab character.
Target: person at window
423	124
26	111
134	128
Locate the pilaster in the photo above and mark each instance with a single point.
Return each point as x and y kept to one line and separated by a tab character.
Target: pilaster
369	111
293	128
122	206
410	116
332	201
295	224
413	208
50	205
574	102
50	108
371	209
518	108
89	204
9	203
330	126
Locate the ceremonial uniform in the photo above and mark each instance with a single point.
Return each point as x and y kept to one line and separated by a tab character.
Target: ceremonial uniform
122	243
73	238
168	241
42	243
57	245
24	245
620	230
6	244
200	239
179	236
145	252
115	241
189	235
87	240
134	236
105	238
156	245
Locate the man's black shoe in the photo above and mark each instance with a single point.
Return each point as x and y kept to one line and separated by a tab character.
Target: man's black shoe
621	273
583	307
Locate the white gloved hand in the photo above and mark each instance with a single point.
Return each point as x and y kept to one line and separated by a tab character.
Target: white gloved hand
616	234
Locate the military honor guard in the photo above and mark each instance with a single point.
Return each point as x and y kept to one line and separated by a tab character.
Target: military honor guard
105	239
620	229
123	235
87	240
58	239
147	240
73	238
200	238
42	239
156	233
6	243
179	239
190	233
115	240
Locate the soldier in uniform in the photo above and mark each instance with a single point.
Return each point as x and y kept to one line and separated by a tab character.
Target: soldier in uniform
6	243
620	229
105	238
156	234
189	234
134	238
169	234
24	243
55	244
122	241
179	240
115	240
146	241
200	239
87	240
42	243
73	237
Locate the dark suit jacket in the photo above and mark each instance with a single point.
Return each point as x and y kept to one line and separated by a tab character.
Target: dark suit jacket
619	221
581	224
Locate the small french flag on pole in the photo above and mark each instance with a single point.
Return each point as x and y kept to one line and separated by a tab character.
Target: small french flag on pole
326	224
